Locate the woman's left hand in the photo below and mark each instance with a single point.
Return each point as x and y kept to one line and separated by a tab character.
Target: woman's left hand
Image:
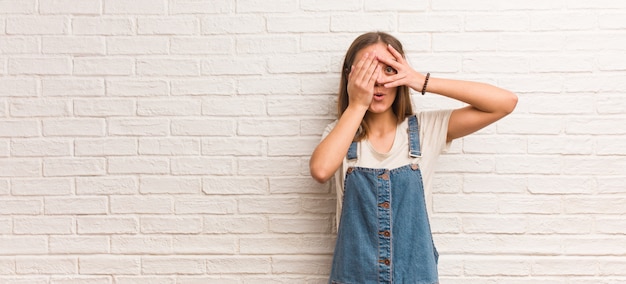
405	74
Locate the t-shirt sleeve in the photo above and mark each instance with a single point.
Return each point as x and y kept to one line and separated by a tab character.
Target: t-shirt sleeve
434	129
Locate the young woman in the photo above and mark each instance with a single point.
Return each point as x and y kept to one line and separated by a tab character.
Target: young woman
382	156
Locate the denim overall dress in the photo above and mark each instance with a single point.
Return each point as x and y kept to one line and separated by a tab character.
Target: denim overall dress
384	235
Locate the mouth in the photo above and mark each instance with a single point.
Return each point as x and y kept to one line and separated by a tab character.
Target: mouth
378	96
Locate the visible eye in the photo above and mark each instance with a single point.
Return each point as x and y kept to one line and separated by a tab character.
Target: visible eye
390	70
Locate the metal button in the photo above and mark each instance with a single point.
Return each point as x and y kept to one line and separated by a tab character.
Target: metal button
384	176
386	233
415	167
384	205
385	261
350	169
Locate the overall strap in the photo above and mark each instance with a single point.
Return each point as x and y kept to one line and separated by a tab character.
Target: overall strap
414	137
352	155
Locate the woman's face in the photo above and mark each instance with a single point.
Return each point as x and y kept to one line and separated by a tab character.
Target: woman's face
383	97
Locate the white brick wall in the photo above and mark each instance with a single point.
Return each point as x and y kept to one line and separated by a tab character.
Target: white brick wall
167	141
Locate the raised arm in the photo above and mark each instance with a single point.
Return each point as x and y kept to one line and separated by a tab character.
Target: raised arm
328	155
487	103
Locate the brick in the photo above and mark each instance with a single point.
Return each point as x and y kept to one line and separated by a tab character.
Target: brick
300	225
296	24
362	22
268	127
596	126
495	64
46	265
103	66
40	66
497	22
26	280
500	144
172	265
494	184
236	24
256	86
40	108
233	66
548	225
240	224
138	165
12	246
141	7
329	5
144	279
110	265
43	226
278	6
102	26
493	225
18	87
564	266
507	267
203	87
170	185
474	203
464	42
511	204
305	264
206	6
234	185
169	107
286	244
571	64
138	127
316	205
466	163
18	6
20	207
266	44
20	168
140	205
19	128
169	146
136	45
40	25
136	88
79	244
202	45
501	244
76	127
291	146
575	83
4	187
583	42
205	205
610	62
168	67
19	45
326	42
268	166
81	7
410	22
609	184
39	187
610	225
83	45
73	87
306	64
562	21
593	205
107	225
202	166
171	225
104	107
222	146
268	205
203	127
572	104
296	185
37	148
527	125
106	186
561	185
168	26
80	280
7	266
204	245
76	205
141	244
239	265
234	106
101	147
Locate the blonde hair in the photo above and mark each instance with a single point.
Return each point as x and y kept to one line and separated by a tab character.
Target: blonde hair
401	106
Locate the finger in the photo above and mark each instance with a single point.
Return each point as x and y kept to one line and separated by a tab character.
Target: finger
395	53
374	78
367	75
388	79
358	69
394	64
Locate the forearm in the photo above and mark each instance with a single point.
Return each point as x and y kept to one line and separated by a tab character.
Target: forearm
329	154
483	97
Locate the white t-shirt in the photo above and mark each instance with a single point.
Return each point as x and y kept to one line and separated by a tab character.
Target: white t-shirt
433	130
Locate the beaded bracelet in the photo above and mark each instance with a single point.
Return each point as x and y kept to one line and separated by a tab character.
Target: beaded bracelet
425	83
